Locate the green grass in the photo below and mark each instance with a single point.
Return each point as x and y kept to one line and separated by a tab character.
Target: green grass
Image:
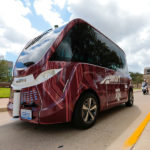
4	92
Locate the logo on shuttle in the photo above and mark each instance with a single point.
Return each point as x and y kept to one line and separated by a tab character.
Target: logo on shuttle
118	94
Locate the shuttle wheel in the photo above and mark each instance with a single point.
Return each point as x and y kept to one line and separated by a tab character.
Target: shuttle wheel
130	99
86	111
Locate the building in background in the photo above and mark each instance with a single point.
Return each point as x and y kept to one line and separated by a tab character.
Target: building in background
147	74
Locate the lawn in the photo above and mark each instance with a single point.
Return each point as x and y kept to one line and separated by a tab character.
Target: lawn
4	92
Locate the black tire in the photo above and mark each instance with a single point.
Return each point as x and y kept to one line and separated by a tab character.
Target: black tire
86	111
130	99
144	92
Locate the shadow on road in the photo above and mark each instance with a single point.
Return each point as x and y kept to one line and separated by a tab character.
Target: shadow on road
109	126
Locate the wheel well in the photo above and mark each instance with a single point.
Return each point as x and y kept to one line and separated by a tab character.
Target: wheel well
84	92
130	89
90	91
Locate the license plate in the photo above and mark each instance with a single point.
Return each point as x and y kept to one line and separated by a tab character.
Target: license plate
26	114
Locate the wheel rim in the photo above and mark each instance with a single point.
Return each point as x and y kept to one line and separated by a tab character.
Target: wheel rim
89	110
131	98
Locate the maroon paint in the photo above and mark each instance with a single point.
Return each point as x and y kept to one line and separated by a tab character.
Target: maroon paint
53	104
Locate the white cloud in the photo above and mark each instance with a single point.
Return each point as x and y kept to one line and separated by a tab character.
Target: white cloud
28	3
139	60
125	22
60	3
134	7
15	29
46	10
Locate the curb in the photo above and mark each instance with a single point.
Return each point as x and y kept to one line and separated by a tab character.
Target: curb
137	91
3	109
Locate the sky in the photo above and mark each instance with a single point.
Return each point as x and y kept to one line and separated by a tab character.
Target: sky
126	22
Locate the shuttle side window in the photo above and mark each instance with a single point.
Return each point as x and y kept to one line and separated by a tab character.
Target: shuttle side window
84	44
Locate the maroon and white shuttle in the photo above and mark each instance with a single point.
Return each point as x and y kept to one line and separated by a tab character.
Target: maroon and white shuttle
69	74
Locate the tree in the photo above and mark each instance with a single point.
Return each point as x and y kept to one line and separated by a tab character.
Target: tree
4	71
137	78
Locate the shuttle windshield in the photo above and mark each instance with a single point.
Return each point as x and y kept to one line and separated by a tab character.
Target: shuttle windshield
37	48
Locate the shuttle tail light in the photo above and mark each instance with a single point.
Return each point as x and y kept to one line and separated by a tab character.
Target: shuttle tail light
16	104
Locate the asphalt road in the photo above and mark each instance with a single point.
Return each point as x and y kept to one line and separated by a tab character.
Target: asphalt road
111	130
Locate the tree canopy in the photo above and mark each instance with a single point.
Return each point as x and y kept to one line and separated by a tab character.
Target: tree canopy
4	71
137	78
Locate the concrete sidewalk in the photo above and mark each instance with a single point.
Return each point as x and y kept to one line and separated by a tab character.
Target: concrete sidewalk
3	104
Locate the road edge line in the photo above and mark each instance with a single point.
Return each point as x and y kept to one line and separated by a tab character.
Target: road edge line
136	134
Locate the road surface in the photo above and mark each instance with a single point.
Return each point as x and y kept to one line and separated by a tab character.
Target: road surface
111	130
